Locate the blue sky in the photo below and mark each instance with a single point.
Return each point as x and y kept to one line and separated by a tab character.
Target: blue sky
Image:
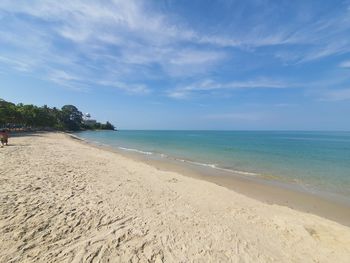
182	64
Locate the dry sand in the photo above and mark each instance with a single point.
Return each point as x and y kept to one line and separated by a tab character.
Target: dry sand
65	201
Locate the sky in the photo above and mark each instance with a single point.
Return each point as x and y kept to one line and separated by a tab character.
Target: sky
221	65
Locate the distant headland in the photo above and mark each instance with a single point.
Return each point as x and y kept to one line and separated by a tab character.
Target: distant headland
30	117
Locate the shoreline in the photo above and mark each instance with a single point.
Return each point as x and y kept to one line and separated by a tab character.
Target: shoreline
268	191
64	200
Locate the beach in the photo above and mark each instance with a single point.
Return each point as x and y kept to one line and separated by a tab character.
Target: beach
63	200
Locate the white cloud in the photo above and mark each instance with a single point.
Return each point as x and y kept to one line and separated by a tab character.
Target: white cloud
62	75
345	64
323	37
126	40
178	94
328	49
137	89
66	79
17	64
210	85
336	95
123	37
191	57
70	80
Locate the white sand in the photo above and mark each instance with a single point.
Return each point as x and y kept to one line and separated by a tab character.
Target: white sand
65	201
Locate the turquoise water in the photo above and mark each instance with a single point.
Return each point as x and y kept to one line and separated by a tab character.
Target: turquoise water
315	161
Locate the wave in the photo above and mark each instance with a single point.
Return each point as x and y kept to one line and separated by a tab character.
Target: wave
210	165
311	179
296	181
214	166
135	150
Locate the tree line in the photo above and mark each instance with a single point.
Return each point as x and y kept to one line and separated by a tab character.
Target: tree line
28	116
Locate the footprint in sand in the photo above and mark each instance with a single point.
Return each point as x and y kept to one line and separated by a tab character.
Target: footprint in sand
173	180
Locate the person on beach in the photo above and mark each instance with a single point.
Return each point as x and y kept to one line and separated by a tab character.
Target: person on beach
4	138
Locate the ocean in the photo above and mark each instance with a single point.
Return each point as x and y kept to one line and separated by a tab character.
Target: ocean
317	162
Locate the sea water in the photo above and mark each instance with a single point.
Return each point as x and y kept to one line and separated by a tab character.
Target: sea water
314	161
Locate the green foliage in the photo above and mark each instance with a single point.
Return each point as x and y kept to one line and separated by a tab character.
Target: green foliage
31	116
71	117
99	126
8	112
108	126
